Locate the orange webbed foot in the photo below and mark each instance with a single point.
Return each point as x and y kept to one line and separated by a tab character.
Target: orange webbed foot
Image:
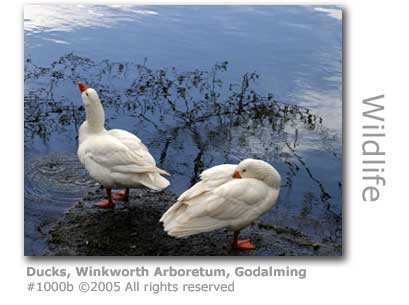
105	204
244	244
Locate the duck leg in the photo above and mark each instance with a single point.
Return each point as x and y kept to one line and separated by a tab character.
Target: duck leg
106	203
243	244
124	195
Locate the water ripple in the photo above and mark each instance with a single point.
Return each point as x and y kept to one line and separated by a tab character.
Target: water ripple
56	178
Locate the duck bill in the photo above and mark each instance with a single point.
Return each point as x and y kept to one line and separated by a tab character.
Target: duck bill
236	175
82	86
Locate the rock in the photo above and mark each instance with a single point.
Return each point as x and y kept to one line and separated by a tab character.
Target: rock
132	229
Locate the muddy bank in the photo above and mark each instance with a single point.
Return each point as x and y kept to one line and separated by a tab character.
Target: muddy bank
132	229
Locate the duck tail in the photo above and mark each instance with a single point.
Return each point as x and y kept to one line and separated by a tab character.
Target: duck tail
162	172
153	181
160	181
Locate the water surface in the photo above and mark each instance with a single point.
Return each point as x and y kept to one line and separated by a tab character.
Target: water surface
200	86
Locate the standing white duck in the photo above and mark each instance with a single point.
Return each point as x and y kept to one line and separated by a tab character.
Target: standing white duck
115	158
229	196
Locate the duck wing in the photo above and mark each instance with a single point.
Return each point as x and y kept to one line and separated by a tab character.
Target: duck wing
111	153
235	203
210	180
133	143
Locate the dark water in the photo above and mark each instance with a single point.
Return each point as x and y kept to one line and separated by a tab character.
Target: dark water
200	86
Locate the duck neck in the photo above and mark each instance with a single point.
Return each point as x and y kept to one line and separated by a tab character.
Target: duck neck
95	117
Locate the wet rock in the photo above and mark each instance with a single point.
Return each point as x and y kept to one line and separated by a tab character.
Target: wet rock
132	229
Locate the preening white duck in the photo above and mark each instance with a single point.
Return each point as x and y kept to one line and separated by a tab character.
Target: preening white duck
115	158
228	195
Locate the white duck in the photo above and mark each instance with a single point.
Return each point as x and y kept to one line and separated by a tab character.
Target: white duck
115	158
229	196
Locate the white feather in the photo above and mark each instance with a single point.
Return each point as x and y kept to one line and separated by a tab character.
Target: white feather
115	158
219	201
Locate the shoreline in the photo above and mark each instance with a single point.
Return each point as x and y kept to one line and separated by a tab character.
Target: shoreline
132	229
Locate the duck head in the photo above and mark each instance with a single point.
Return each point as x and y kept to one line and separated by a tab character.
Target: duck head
93	107
89	96
258	169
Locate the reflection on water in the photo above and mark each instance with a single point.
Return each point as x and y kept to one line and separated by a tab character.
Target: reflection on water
191	117
332	12
66	18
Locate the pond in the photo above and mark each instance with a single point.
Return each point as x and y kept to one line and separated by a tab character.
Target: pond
200	86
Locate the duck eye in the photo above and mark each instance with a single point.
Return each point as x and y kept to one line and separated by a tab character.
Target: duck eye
244	170
86	93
